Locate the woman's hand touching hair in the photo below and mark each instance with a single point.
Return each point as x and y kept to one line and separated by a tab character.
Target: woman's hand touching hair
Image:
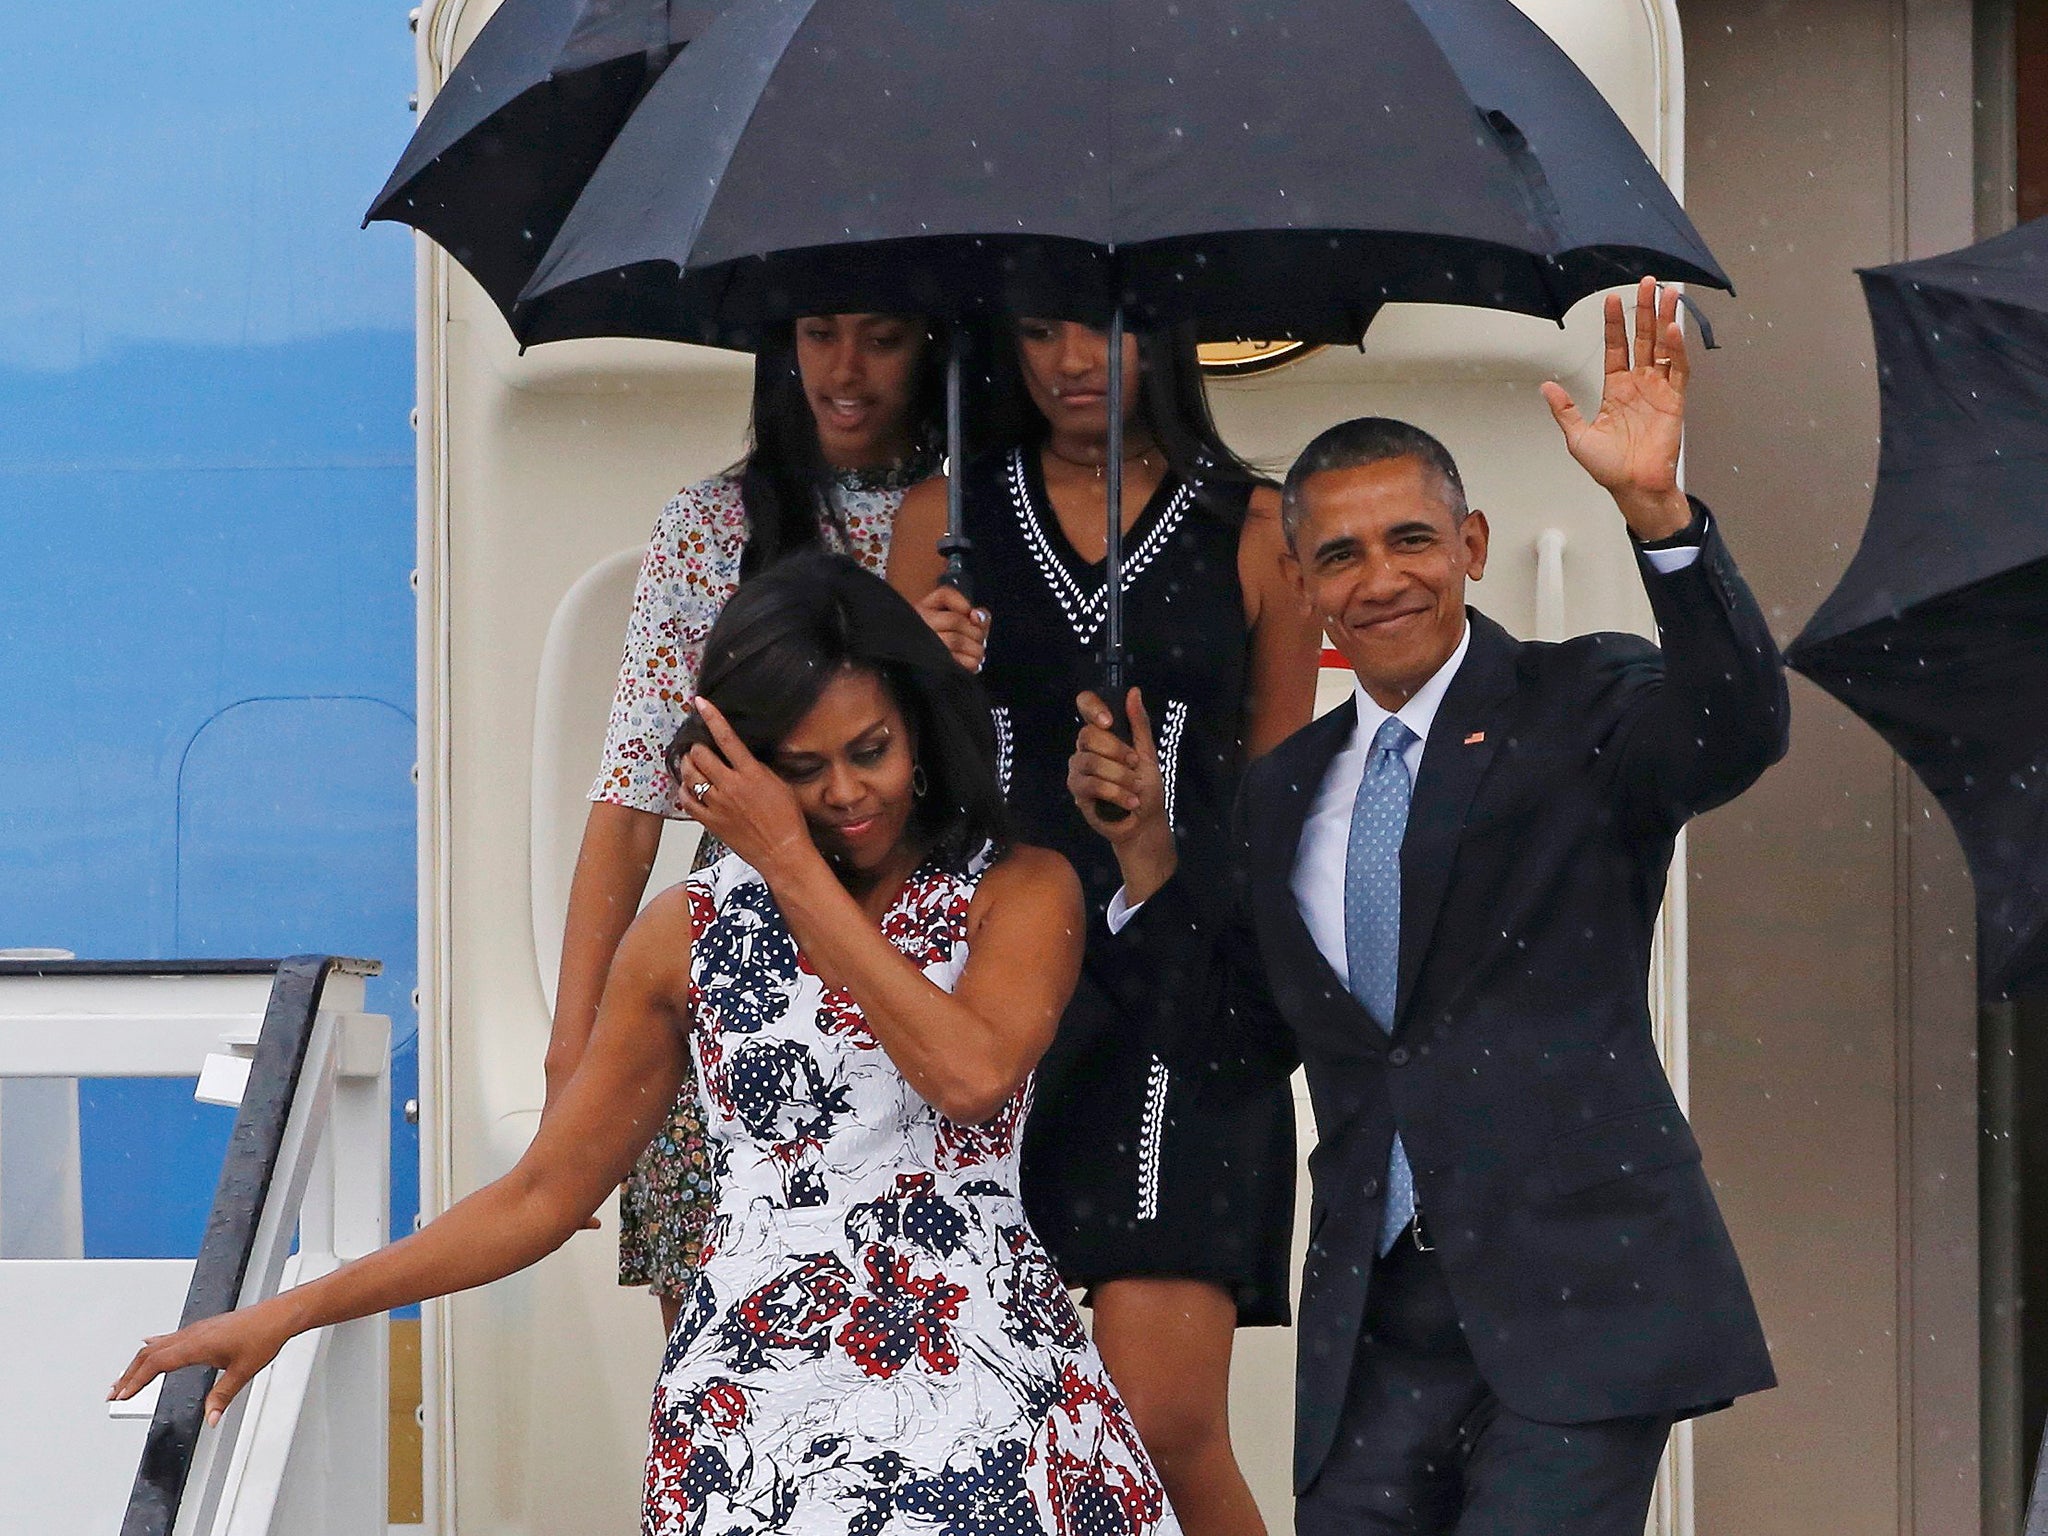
740	800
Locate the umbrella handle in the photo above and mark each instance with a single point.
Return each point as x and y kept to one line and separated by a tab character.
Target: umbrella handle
1116	687
955	546
955	575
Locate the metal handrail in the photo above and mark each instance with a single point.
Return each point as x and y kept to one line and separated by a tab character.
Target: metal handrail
19	967
231	1229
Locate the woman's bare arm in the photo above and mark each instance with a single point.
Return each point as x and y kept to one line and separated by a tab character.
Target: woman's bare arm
612	866
915	564
965	1051
608	1111
1287	643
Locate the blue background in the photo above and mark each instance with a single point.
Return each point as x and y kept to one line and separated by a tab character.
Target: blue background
206	527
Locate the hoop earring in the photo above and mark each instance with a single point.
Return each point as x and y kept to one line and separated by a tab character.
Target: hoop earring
920	786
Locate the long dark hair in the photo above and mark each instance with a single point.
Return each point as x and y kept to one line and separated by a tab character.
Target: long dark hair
1173	406
787	633
785	484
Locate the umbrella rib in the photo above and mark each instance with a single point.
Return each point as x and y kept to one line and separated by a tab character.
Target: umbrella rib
732	145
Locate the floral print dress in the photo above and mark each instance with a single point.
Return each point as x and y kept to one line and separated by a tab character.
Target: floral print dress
691	568
876	1341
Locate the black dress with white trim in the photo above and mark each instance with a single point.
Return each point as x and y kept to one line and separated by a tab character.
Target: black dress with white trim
1138	1161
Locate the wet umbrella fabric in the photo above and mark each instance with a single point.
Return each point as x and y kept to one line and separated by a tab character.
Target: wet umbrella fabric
528	111
1257	167
1938	631
1277	168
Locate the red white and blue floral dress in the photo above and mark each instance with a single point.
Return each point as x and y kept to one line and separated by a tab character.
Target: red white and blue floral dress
876	1342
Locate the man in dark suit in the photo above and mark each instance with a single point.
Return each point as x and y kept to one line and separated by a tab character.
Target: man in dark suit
1517	1278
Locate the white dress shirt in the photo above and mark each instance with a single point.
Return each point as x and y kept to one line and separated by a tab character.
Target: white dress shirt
1318	877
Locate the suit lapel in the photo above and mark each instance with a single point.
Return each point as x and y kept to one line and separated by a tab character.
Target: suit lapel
1459	751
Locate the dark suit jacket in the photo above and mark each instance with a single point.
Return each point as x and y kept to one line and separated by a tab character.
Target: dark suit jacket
1562	1186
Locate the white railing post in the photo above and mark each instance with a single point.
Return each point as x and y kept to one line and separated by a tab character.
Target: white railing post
213	1458
42	1196
358	1387
307	1451
311	1457
1551	623
42	1213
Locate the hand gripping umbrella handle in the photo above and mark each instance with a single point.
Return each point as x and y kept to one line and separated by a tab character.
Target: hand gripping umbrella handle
955	545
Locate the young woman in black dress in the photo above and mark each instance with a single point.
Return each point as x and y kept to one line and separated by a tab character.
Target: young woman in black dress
1163	1186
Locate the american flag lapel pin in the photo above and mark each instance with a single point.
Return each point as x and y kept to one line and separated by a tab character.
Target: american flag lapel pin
1475	738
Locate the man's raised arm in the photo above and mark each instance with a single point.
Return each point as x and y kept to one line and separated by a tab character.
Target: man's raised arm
1713	712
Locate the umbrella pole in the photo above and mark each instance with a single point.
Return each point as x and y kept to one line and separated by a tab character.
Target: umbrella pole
1115	663
955	545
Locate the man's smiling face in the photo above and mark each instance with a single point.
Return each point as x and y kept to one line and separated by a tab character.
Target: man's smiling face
1383	563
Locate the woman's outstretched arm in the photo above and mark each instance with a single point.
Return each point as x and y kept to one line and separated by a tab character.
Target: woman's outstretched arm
609	1110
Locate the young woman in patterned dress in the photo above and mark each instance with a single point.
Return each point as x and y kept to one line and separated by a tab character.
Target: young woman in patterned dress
1163	1187
865	982
846	416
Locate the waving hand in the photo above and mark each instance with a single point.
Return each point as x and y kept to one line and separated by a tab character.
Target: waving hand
1631	445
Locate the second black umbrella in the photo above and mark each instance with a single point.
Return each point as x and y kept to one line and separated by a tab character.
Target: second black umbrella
528	111
1938	632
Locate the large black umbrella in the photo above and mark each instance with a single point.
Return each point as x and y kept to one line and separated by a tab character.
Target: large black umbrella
508	141
1278	168
1938	631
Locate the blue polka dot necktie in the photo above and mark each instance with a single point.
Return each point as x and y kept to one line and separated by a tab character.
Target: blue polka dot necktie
1372	921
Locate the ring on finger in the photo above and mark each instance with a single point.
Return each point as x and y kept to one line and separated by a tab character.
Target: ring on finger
701	789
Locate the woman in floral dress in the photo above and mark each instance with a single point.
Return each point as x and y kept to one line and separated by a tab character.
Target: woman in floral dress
846	414
876	1340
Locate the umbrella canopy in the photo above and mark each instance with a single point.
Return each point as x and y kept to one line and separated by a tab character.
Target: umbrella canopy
1938	631
1278	168
525	116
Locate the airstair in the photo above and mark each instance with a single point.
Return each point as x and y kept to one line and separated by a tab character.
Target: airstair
305	1186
